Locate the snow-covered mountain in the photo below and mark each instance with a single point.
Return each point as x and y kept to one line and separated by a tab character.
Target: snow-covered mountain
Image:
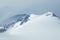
9	22
38	27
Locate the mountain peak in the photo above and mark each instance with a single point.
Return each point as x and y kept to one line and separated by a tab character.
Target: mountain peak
50	14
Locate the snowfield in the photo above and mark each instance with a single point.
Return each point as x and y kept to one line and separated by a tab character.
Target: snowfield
38	27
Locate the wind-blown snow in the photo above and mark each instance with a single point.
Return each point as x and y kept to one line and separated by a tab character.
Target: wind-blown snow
40	28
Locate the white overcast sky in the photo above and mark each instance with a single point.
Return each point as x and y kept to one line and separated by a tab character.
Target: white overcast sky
12	7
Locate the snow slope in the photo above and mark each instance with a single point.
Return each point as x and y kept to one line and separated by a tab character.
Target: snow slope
17	24
9	22
43	27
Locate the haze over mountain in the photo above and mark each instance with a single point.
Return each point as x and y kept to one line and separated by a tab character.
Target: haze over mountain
37	27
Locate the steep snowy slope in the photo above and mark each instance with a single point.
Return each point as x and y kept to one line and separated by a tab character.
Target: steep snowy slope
17	24
9	22
43	27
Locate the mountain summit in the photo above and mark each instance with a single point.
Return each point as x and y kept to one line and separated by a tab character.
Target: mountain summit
51	14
